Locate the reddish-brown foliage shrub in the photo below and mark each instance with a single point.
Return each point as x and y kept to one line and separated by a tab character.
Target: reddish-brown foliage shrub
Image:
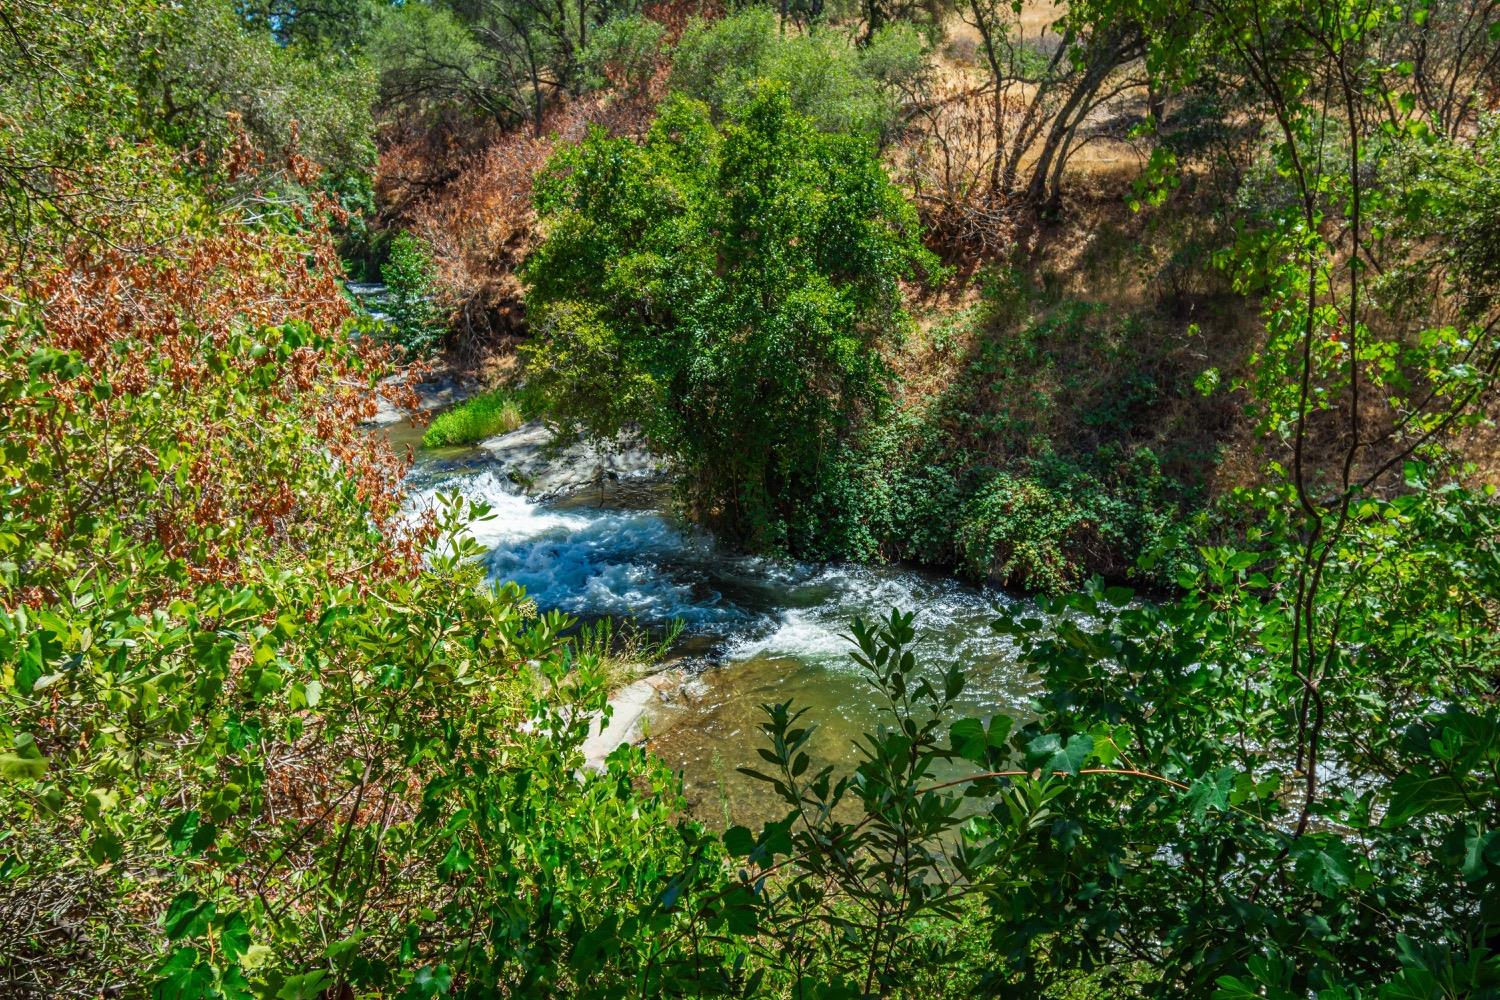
215	408
474	209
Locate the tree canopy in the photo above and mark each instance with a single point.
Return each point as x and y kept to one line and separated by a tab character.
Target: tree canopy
729	289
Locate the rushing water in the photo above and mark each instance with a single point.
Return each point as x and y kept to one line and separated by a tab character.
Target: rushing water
755	630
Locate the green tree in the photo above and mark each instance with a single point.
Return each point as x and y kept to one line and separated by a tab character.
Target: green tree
728	289
209	71
65	102
838	86
624	52
100	98
505	60
414	320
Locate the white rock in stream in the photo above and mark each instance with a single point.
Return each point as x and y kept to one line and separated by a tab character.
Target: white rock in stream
532	459
627	722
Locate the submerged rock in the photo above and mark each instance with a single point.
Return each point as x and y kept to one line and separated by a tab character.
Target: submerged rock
546	467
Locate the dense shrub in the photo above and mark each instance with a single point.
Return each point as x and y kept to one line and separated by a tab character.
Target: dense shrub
1050	525
838	86
414	320
503	60
674	267
213	69
1019	532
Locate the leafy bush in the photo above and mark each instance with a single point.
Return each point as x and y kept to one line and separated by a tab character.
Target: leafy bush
410	280
838	86
675	267
1049	525
1153	826
476	418
907	489
504	60
1019	532
624	51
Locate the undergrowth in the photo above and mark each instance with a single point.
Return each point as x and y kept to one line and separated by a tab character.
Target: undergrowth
497	411
625	649
1067	441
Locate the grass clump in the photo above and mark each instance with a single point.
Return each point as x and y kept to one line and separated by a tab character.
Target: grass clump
476	418
625	649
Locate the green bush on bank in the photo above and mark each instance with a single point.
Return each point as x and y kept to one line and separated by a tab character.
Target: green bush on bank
1050	524
497	411
1039	524
674	267
1057	451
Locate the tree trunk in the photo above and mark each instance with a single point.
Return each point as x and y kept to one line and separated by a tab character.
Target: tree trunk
1026	131
1103	60
1062	124
998	110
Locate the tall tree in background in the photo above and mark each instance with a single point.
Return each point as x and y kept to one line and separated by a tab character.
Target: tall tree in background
1050	86
505	59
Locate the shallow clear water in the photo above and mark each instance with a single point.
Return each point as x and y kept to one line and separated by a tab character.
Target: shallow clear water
755	630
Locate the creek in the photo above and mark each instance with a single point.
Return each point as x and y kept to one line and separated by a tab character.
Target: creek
754	630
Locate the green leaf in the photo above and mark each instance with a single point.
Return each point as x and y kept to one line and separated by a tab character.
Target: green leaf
1210	792
188	916
344	946
1415	795
1326	864
234	935
184	977
976	740
1048	753
181	831
739	841
307	986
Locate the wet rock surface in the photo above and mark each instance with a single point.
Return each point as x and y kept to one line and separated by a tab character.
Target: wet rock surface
630	713
438	391
545	467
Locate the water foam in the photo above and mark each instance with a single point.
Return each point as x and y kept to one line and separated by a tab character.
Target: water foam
595	562
824	600
643	565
